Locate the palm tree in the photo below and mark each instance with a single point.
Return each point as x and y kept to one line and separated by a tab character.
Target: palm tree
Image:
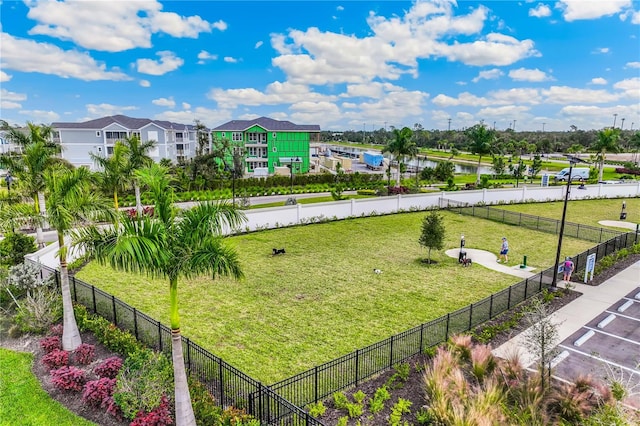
169	246
71	201
402	147
138	158
607	142
482	139
114	173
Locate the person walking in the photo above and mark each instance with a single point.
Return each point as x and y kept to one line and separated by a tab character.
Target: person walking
504	251
567	268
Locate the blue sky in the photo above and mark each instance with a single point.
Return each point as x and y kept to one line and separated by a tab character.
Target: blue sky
343	65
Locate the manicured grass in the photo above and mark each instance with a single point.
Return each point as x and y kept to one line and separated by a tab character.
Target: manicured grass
321	299
312	200
22	399
588	212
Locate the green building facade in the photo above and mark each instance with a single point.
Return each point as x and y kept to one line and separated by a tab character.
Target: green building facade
267	143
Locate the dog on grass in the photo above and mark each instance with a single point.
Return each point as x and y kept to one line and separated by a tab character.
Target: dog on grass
377	271
466	262
278	251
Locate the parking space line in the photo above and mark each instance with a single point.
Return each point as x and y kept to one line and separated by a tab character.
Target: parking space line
623	316
615	336
631	370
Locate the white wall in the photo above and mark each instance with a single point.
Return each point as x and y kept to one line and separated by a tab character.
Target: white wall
275	217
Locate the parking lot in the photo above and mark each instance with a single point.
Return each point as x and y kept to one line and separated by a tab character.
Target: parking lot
607	347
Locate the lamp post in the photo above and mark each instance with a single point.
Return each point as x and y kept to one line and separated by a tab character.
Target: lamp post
572	162
614	120
293	160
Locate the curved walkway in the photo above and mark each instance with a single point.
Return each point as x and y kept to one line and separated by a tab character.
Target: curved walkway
619	224
489	261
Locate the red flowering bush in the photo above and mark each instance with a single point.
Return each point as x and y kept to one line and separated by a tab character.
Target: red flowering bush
68	378
159	416
56	359
51	343
109	367
84	354
395	190
98	392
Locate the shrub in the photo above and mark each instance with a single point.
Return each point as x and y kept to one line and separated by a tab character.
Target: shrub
56	359
376	404
317	409
68	378
14	246
109	368
204	406
400	407
366	192
159	416
56	330
97	393
340	400
48	344
235	416
84	354
39	311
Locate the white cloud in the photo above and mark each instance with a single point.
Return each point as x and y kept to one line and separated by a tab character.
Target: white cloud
230	59
630	89
598	80
145	83
540	11
632	65
4	77
112	26
186	105
488	75
168	62
4	104
601	50
259	44
220	25
40	116
204	56
578	9
572	95
523	74
12	96
30	56
210	117
165	102
635	17
340	8
494	98
104	109
275	94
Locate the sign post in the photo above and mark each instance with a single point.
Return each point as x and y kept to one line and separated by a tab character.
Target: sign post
590	267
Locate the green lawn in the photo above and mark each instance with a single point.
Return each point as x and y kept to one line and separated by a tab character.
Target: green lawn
588	212
322	300
22	401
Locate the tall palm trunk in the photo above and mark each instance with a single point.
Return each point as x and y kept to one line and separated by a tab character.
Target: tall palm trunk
136	188
478	171
42	208
70	334
115	200
184	409
39	234
399	174
601	167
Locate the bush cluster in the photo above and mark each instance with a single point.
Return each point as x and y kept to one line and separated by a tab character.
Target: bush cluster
55	359
49	344
98	393
84	354
68	378
109	368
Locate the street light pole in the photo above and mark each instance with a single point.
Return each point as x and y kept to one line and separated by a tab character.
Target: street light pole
572	162
614	120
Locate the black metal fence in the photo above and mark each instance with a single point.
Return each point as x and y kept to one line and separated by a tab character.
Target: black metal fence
230	386
543	224
350	370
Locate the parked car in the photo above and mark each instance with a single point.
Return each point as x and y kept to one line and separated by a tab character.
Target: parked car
577	173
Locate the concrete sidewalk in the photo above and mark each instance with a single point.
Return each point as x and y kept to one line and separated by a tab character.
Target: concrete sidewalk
575	315
490	261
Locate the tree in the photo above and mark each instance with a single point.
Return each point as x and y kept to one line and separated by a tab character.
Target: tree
71	201
202	140
38	153
114	173
433	232
444	171
138	157
542	338
481	140
536	166
402	147
498	165
607	142
170	246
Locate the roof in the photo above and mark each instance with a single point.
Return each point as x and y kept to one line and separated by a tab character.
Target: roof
126	122
268	124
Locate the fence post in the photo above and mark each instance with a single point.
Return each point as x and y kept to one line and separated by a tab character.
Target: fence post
391	353
421	337
600	241
113	305
557	223
470	315
538	223
188	354
135	322
160	335
520	220
75	292
526	287
358	362
446	333
540	285
509	299
491	306
93	294
315	384
220	375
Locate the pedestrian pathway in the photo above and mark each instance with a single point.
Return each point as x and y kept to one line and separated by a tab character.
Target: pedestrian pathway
490	261
619	224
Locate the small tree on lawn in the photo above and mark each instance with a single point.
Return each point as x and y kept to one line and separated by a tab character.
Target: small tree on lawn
432	236
542	339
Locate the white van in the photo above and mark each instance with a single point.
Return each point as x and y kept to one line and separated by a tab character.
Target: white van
577	173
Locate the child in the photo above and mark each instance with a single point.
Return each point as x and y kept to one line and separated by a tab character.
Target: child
568	269
504	250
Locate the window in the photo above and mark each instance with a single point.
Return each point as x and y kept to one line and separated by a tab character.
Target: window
116	135
236	136
109	150
275	149
224	135
179	135
98	133
179	147
274	135
135	134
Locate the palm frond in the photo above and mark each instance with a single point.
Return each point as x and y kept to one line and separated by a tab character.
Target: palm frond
210	218
214	257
